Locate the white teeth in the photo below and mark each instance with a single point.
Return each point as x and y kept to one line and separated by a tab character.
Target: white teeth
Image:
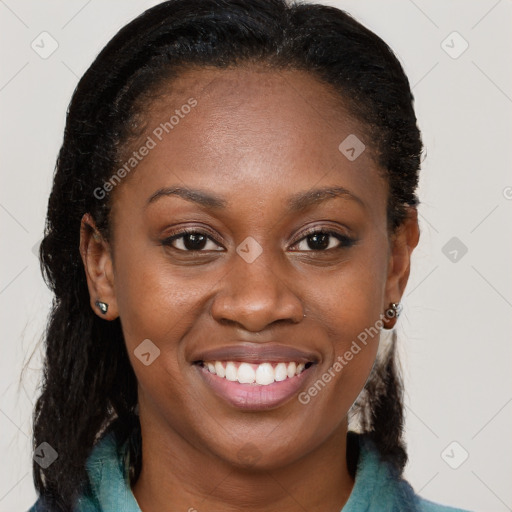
265	374
281	372
219	369
247	373
231	371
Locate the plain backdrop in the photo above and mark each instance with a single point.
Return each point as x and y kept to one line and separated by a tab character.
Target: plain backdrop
455	330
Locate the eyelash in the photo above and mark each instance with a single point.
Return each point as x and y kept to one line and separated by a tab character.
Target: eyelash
345	241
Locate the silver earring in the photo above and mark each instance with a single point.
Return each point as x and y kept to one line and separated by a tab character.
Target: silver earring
394	310
102	306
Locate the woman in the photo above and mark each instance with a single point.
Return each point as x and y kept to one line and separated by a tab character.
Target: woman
229	231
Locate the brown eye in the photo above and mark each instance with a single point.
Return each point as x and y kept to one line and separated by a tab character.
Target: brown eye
190	241
324	240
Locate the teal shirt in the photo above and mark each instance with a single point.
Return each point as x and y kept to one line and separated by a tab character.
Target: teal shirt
377	488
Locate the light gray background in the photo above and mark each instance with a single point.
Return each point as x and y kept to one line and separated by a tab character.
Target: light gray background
455	329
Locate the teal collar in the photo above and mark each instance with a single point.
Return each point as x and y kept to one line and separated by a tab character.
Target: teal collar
377	485
107	467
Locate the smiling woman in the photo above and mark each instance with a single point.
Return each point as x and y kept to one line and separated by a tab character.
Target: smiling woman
215	342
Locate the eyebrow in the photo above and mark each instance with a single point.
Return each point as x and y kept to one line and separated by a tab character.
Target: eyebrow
198	196
304	200
296	203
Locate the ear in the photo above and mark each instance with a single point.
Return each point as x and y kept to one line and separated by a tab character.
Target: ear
97	260
403	242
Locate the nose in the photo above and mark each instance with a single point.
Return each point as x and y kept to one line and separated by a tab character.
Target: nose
256	295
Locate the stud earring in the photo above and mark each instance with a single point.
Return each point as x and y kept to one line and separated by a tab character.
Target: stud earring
102	306
394	310
391	314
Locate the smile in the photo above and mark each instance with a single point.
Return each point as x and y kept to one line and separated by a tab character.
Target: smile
261	374
254	386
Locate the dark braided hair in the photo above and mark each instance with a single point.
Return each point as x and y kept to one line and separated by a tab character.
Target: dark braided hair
88	384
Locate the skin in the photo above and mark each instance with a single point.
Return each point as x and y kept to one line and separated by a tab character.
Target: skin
255	138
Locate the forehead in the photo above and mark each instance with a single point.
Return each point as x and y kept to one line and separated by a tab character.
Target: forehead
251	129
255	93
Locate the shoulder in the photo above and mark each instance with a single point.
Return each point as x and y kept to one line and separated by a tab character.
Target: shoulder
379	486
84	505
429	506
42	505
39	506
103	455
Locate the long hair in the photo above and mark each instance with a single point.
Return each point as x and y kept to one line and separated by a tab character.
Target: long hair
88	384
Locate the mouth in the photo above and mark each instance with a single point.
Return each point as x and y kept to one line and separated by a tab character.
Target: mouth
254	386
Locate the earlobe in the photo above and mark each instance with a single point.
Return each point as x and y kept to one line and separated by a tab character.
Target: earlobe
97	260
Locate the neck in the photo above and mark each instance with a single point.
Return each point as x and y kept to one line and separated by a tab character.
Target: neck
177	473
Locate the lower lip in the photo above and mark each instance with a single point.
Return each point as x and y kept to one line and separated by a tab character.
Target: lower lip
254	396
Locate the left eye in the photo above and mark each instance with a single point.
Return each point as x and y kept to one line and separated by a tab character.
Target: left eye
324	240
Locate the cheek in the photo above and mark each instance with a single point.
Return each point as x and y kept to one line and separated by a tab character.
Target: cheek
154	300
348	305
161	304
348	302
354	340
156	309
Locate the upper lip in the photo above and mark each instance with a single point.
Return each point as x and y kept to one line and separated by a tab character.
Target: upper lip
256	353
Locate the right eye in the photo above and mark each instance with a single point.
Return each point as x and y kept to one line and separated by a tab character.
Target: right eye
190	241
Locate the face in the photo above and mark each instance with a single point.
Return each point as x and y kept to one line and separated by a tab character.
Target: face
242	217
